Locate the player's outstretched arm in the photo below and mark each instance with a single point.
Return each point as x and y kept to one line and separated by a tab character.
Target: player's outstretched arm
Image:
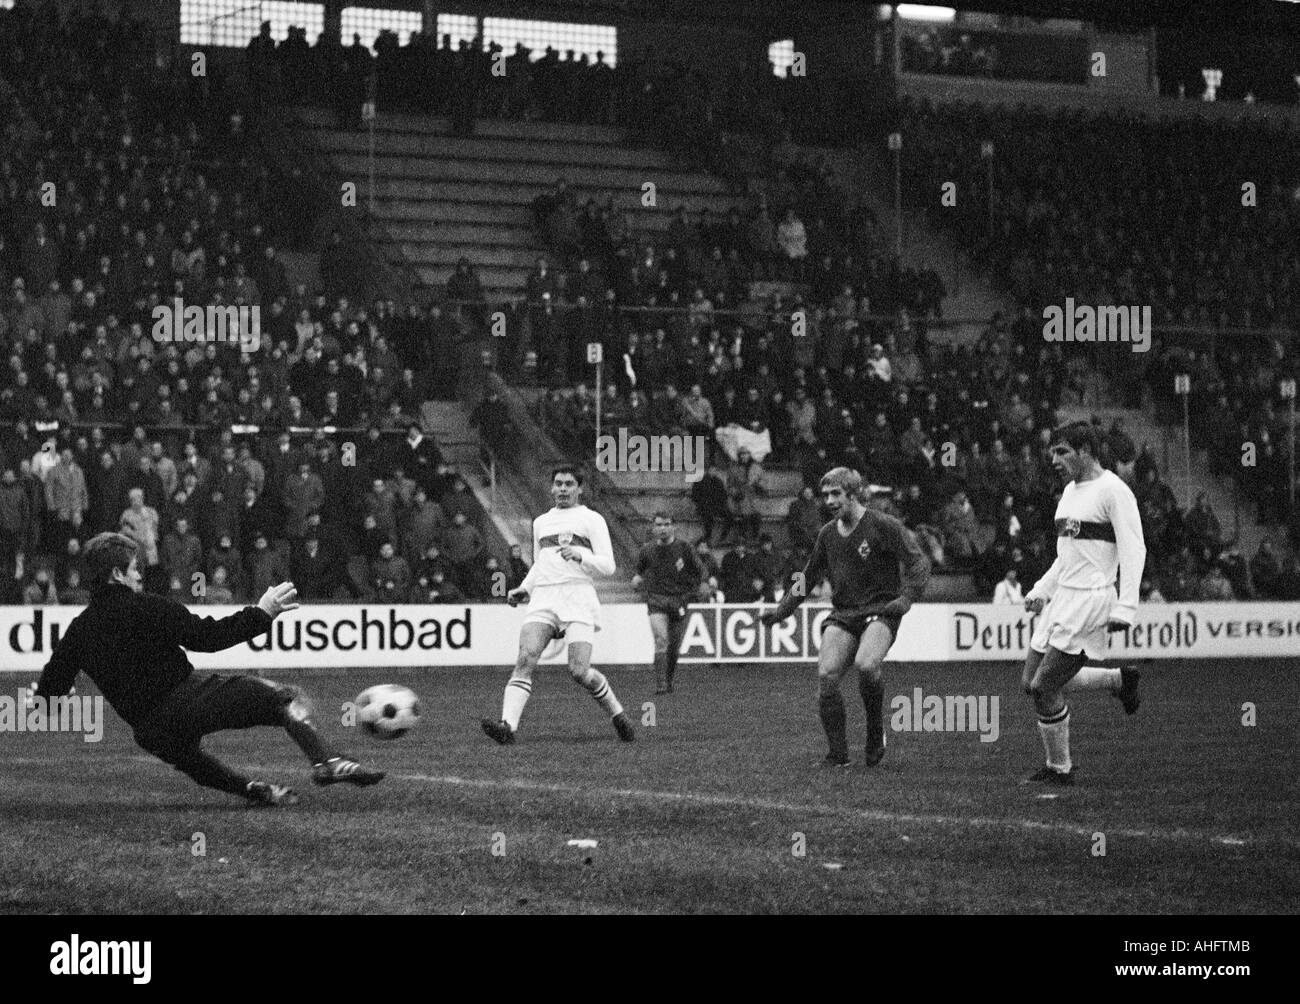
179	626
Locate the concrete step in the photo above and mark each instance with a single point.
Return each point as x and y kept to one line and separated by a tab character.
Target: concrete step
522	193
443	231
542	173
560	134
484	256
578	156
399	211
493	278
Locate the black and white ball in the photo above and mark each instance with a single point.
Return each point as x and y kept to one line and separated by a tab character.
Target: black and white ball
388	711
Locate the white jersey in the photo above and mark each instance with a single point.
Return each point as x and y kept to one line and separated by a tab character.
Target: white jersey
1099	533
580	528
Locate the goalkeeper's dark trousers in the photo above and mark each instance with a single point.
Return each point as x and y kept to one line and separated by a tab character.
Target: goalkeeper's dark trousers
201	705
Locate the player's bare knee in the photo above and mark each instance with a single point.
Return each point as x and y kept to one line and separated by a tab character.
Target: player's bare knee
872	671
525	663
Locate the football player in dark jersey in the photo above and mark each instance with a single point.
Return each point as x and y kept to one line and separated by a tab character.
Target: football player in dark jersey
861	552
670	572
132	645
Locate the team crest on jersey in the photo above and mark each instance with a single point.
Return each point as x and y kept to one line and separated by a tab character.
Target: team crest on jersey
1071	528
565	539
864	549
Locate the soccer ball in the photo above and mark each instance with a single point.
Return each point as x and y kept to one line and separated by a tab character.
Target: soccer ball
388	711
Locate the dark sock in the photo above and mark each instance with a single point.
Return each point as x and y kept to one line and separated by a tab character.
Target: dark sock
661	669
832	712
873	699
671	667
307	736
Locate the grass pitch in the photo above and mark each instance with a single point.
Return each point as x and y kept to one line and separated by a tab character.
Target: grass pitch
717	807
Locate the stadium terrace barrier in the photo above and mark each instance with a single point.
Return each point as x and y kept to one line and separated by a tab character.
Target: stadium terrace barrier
449	636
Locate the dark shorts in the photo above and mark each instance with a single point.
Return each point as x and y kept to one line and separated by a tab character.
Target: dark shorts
856	623
212	703
672	607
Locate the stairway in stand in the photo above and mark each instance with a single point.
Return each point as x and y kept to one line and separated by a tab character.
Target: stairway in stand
440	197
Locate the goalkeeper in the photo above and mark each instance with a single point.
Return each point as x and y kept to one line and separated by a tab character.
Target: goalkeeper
132	645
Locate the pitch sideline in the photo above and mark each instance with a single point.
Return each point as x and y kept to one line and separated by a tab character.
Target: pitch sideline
870	815
738	802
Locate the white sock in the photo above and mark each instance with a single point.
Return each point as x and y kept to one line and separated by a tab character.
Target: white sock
518	690
1055	730
1095	678
599	688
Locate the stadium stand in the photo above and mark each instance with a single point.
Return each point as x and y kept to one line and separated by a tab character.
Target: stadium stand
306	455
761	298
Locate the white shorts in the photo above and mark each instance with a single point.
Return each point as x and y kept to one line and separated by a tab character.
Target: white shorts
1074	621
570	608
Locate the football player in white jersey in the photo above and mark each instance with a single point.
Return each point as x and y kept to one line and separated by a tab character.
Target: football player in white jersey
570	544
1099	534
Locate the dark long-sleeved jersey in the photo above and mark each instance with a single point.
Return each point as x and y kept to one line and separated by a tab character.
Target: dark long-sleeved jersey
863	567
672	571
132	645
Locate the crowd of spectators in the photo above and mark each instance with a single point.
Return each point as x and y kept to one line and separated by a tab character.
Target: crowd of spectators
1123	209
832	362
119	193
1081	209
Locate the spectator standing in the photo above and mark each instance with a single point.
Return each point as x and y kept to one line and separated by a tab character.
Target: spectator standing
303	495
1008	590
41	592
66	500
463	544
140	522
15	531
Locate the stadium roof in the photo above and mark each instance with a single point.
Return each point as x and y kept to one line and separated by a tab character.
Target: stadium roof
1239	16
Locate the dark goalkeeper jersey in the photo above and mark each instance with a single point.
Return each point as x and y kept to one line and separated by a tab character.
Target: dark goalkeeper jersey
132	645
864	567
